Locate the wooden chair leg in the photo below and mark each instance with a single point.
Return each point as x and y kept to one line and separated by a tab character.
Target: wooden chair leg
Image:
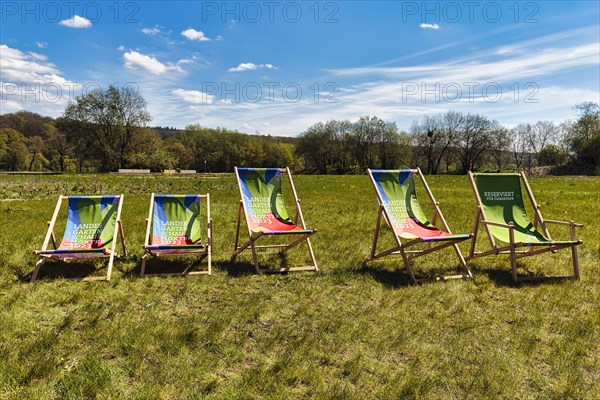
254	256
111	259
513	263
376	235
475	231
312	254
143	269
574	254
209	251
409	270
462	261
237	230
575	262
513	254
36	270
122	238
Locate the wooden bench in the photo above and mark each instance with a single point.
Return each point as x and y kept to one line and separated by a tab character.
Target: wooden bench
133	171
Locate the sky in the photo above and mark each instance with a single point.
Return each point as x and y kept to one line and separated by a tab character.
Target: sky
277	67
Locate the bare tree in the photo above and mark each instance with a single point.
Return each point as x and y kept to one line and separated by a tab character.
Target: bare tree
434	136
520	147
542	133
474	139
500	146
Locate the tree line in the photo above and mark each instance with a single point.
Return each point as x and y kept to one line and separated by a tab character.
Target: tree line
107	129
452	142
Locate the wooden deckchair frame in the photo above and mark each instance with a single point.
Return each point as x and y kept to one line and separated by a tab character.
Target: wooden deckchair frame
206	250
402	248
253	237
110	253
511	248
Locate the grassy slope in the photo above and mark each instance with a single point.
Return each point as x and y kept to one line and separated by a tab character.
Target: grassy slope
349	331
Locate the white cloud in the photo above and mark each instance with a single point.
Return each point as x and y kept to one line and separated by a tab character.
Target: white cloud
18	66
121	48
37	56
250	67
243	67
429	26
40	45
379	91
487	67
76	22
30	81
219	38
136	60
193	34
11	106
151	31
194	96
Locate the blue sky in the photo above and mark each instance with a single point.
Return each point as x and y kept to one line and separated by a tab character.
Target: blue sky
278	67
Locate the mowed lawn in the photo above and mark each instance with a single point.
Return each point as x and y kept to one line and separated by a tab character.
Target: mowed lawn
349	331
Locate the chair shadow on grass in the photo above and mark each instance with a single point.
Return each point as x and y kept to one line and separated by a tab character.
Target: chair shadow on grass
57	269
239	267
170	266
393	278
502	277
236	268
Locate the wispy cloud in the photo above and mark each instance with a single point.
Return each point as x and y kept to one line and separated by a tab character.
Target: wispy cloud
193	34
40	45
488	66
151	31
194	96
379	91
76	22
136	60
429	26
250	67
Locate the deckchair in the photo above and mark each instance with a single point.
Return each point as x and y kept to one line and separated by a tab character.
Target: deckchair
93	224
501	210
400	208
265	213
174	221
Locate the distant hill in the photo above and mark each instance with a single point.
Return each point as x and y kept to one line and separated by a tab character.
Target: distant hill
166	132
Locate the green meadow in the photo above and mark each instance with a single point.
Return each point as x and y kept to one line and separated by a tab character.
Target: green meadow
349	331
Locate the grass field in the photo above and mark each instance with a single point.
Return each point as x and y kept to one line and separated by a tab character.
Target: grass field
349	331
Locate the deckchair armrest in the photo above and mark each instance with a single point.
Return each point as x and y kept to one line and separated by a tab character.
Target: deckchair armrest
551	221
498	224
